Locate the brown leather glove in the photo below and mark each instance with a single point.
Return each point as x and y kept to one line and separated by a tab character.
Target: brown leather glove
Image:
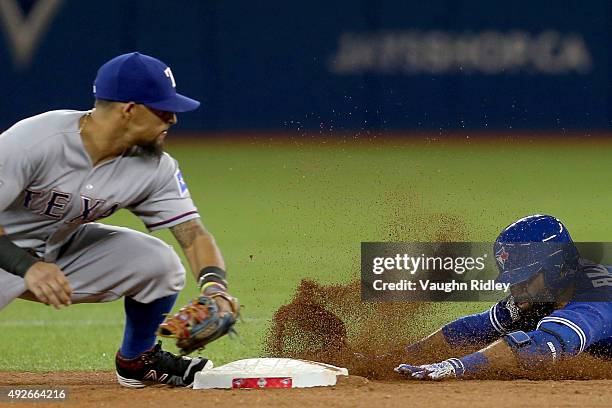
205	319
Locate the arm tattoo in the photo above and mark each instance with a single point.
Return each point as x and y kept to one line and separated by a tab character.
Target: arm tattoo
187	232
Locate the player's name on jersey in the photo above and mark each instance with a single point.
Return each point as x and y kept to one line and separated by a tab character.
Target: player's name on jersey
447	287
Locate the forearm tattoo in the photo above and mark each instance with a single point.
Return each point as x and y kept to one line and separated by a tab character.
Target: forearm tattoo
187	232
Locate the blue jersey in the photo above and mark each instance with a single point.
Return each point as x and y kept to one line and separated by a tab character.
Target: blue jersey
584	324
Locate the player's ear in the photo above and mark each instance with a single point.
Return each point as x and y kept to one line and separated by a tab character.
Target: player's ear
127	109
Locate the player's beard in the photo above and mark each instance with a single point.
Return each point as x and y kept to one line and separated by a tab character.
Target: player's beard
152	149
527	301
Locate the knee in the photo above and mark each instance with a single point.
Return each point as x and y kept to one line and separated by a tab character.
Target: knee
162	266
164	260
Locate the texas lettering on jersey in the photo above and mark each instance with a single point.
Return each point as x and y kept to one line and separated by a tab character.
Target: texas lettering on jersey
49	188
54	204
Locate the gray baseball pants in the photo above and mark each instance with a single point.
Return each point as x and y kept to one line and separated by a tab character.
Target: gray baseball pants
104	263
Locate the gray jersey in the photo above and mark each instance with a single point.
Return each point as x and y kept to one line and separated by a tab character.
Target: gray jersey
49	187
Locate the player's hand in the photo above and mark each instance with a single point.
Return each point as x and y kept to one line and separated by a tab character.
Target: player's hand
223	302
437	371
413	371
49	284
224	306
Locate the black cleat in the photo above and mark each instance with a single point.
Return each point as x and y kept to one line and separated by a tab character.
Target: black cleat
157	366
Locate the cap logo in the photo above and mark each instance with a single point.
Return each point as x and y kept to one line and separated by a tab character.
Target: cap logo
168	73
502	256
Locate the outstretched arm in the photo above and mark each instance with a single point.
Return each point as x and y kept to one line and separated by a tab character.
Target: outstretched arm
498	358
211	314
431	348
565	333
466	334
204	258
198	245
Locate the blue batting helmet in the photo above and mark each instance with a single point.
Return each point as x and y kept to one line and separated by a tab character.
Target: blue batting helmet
533	244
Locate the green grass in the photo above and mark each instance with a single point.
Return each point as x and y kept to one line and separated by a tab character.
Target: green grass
285	211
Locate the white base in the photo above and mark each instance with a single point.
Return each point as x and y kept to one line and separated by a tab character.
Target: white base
269	373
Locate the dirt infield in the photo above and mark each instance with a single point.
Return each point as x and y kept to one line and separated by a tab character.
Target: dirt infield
100	389
329	323
308	328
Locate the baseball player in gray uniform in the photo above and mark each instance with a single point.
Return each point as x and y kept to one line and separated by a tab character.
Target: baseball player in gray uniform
60	171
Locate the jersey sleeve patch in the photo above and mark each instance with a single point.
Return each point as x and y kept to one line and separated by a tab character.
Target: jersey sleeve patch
182	185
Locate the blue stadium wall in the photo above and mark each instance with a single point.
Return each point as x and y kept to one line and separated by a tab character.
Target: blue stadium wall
326	65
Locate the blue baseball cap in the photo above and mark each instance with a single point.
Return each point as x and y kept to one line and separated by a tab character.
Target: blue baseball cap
139	78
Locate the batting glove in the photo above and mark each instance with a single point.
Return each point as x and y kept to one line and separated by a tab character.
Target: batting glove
451	368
